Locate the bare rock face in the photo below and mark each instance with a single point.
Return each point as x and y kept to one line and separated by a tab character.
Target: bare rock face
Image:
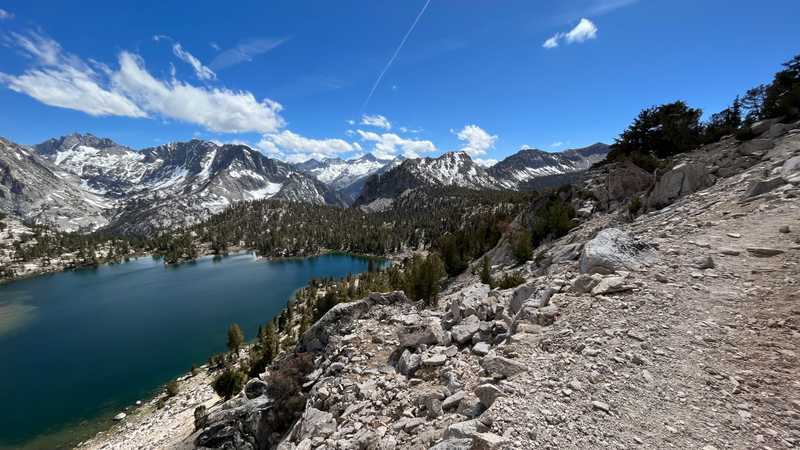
317	337
762	126
612	250
464	331
502	366
530	292
623	181
682	180
760	187
429	332
790	171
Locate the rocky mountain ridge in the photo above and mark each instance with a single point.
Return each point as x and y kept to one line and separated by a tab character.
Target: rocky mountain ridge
525	170
105	184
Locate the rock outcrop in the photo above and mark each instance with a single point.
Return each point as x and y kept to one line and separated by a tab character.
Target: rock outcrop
612	250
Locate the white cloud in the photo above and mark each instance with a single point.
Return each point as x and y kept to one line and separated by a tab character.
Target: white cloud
202	72
245	51
551	42
582	32
5	15
351	122
389	145
216	109
296	148
63	80
377	121
556	144
476	140
214	45
60	79
485	162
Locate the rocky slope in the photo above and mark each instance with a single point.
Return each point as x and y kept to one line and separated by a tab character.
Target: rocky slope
84	181
526	165
32	188
678	328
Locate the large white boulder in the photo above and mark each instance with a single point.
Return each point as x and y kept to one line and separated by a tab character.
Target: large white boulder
612	250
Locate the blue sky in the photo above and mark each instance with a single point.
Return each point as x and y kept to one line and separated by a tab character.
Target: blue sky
292	78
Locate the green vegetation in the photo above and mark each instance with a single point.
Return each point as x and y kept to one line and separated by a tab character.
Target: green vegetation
423	277
552	221
265	349
634	207
172	388
486	271
509	280
284	387
660	131
521	246
229	383
669	129
782	96
235	338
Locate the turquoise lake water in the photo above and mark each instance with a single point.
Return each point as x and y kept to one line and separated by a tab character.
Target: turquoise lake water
77	347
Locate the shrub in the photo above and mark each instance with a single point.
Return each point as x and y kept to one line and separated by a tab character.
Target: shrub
521	246
216	361
284	386
229	383
486	271
509	280
172	388
634	206
744	134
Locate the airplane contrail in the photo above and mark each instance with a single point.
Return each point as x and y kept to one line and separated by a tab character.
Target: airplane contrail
396	52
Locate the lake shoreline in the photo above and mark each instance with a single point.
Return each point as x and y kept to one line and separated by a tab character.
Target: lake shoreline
100	427
41	270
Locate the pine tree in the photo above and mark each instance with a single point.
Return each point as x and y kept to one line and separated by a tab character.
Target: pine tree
235	338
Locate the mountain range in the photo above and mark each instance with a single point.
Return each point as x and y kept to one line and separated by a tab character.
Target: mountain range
519	171
84	182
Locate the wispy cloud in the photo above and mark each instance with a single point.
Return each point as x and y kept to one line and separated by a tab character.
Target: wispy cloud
5	15
476	140
600	7
582	32
592	8
202	72
394	55
377	121
307	85
557	144
245	51
61	79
